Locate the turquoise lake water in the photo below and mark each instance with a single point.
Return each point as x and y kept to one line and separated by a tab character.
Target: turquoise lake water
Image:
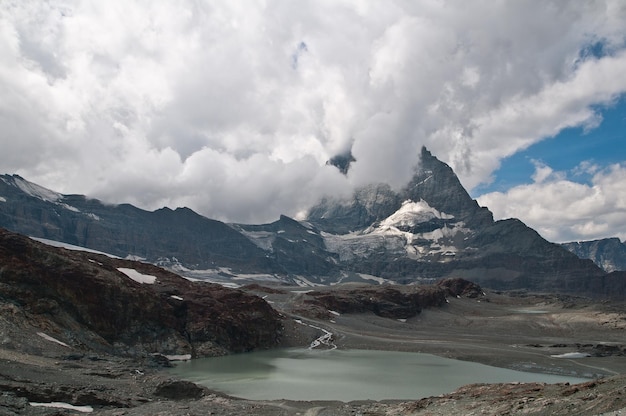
345	375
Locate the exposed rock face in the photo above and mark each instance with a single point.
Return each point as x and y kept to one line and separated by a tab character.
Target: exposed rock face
608	253
369	204
433	181
386	301
85	299
125	230
461	287
179	390
299	249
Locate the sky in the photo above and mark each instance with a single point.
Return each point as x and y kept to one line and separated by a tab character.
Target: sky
234	108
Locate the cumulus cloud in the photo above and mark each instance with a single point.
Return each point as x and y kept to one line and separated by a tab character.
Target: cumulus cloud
233	109
562	210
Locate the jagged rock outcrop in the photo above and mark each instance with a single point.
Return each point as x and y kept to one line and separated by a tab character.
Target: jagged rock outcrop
368	204
94	302
386	301
433	181
607	253
299	249
461	288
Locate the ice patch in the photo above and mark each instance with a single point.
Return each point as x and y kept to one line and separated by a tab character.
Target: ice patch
49	338
61	405
138	277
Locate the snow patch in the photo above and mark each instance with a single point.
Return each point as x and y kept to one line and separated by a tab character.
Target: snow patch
377	279
138	277
412	213
93	216
334	313
70	246
304	282
61	405
69	207
36	191
572	355
2	199
262	239
51	339
180	357
176	297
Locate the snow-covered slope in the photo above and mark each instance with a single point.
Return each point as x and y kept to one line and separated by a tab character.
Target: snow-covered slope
416	231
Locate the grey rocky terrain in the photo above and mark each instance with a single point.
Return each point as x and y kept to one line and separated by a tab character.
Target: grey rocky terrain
59	345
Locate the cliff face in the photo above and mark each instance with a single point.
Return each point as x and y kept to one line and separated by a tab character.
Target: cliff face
123	230
97	302
388	301
607	253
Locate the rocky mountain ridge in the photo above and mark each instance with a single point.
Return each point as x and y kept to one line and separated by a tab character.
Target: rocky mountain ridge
608	253
428	230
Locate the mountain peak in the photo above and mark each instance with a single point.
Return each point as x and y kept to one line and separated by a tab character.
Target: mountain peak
433	182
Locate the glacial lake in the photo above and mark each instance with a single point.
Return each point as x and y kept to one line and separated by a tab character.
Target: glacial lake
345	375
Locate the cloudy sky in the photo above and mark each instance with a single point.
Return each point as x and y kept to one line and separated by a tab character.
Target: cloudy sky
233	108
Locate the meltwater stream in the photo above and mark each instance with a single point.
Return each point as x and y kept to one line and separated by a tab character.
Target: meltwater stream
345	375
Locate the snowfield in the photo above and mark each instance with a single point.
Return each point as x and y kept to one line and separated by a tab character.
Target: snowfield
51	339
138	277
412	213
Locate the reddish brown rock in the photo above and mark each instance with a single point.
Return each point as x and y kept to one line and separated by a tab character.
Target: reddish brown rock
86	299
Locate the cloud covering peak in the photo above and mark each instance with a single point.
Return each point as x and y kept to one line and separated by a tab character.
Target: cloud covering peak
234	108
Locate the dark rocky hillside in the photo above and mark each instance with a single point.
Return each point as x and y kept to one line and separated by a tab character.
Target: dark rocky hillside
85	301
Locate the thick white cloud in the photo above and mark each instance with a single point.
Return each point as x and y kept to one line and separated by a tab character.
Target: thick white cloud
562	210
233	108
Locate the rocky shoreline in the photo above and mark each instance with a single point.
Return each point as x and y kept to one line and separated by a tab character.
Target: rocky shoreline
48	372
107	385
